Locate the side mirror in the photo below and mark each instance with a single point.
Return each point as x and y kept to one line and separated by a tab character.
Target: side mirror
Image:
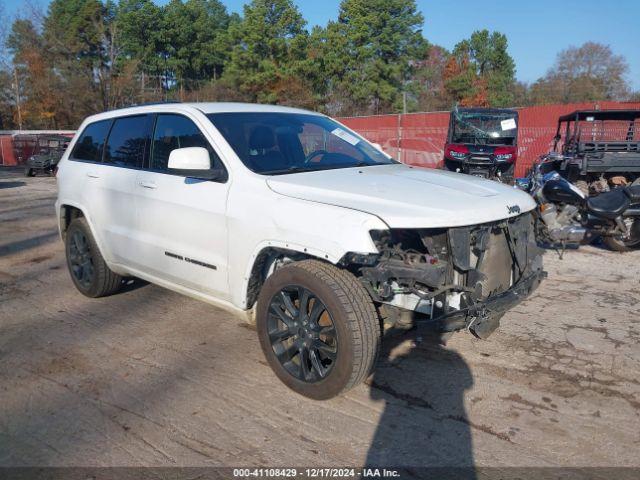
194	162
189	158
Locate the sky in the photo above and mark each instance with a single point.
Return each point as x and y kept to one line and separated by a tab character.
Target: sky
536	29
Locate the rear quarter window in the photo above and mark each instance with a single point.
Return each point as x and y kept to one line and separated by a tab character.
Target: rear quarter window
91	142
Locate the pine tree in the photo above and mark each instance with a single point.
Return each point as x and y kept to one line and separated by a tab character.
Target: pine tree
371	52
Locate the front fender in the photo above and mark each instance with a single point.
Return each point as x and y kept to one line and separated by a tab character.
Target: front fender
322	231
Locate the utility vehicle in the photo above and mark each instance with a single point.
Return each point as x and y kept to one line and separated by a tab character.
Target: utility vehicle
46	155
600	149
482	142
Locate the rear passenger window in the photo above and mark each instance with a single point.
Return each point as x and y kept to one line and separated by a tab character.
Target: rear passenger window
175	131
127	141
91	142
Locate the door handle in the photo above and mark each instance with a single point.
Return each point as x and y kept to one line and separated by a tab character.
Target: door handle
149	185
92	175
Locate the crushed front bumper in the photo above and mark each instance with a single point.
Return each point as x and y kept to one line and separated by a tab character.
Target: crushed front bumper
482	317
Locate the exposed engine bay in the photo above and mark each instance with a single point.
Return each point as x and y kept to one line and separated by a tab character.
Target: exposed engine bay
464	277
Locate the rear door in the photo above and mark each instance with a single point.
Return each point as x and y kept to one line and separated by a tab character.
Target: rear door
181	223
108	155
115	178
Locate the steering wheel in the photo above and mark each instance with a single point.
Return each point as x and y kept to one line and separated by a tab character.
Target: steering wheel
314	154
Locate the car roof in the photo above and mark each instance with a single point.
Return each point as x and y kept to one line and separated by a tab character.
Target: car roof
226	107
204	107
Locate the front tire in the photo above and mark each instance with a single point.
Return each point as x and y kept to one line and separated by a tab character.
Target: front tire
29	172
318	328
89	272
452	166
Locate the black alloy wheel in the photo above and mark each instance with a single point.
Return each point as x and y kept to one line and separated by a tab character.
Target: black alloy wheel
90	273
80	259
302	334
318	328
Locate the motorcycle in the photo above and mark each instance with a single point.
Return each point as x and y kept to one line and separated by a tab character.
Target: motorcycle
566	216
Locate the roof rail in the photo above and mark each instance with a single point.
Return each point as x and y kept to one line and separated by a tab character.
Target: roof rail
145	104
155	103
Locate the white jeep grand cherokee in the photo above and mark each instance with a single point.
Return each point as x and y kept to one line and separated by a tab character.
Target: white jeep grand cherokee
296	221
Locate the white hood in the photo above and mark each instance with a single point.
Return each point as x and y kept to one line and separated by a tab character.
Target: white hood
408	197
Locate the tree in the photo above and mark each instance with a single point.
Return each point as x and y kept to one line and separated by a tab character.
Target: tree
581	74
80	41
486	70
270	45
429	77
193	34
32	78
462	83
77	28
139	24
522	94
371	52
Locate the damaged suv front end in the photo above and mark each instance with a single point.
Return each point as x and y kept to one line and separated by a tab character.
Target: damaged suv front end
452	278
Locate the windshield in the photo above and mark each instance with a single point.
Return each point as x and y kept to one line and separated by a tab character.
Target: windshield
273	143
484	128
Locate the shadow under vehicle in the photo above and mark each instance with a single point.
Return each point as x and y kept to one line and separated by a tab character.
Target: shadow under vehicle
598	149
482	142
47	152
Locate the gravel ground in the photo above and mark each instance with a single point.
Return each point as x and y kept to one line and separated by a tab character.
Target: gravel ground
149	377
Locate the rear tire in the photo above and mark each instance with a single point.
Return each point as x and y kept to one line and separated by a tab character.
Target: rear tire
29	172
333	363
89	272
618	244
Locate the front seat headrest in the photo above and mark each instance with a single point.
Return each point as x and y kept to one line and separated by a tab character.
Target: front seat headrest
262	138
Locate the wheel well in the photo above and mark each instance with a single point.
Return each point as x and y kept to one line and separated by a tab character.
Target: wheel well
67	215
267	261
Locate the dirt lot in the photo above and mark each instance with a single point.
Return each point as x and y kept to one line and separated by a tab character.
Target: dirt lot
148	377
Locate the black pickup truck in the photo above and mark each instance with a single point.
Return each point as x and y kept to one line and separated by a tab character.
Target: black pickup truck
600	149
